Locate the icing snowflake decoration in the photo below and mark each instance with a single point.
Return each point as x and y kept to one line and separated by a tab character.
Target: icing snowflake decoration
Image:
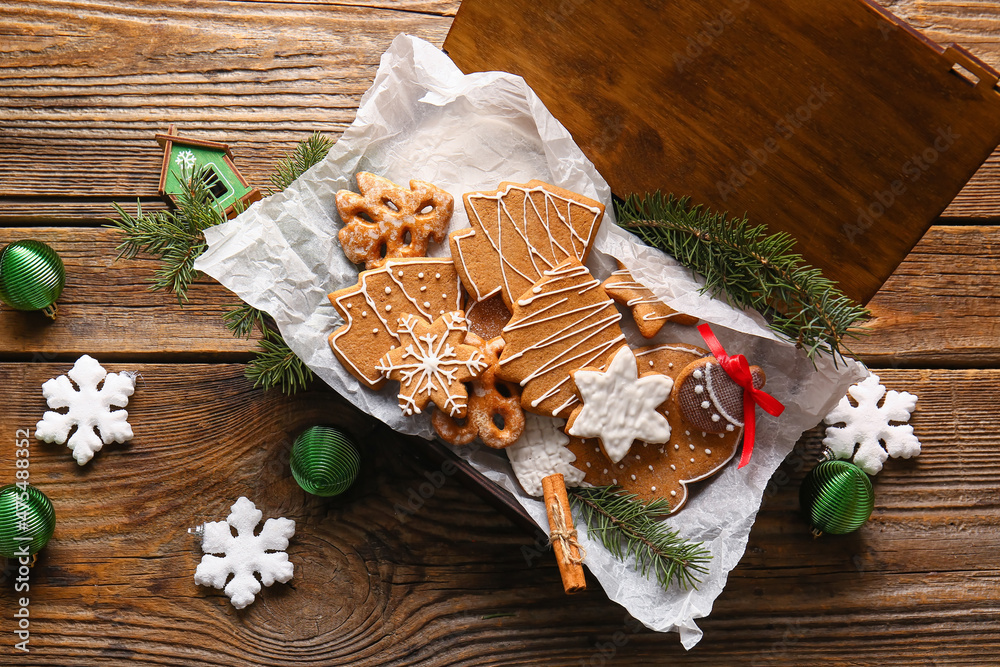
541	451
431	363
867	425
245	553
620	407
185	159
89	408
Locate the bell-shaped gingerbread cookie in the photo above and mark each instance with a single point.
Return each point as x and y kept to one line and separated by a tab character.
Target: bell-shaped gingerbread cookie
709	399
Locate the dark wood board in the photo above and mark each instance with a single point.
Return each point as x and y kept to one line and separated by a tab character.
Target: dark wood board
833	121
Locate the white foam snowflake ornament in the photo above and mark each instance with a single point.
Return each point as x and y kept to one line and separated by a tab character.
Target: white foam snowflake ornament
868	424
89	408
245	553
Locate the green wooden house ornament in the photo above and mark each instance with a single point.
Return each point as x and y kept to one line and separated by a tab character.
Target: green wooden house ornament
183	157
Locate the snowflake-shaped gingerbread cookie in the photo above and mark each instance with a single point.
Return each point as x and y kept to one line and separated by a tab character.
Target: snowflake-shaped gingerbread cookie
867	424
89	408
431	363
245	553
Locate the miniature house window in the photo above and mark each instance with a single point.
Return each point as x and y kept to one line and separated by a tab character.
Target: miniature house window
212	181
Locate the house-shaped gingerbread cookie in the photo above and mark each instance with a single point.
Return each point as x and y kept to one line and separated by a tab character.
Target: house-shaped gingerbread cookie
184	157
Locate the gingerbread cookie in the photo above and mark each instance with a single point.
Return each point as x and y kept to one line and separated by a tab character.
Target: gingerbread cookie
661	470
649	313
426	287
518	231
562	323
431	363
494	412
708	399
487	318
618	406
387	221
541	451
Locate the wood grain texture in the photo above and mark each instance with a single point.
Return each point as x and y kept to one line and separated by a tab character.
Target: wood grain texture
85	82
941	308
262	79
382	579
107	309
384	575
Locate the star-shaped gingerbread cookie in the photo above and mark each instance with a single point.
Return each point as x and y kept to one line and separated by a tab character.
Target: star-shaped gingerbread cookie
649	313
431	363
619	407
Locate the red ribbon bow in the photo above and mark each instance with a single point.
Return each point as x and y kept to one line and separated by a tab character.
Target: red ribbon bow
738	369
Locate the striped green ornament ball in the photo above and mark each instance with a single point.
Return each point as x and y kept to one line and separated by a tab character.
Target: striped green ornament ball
32	276
836	497
26	518
325	461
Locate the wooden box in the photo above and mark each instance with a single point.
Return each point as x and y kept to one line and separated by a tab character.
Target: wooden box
833	121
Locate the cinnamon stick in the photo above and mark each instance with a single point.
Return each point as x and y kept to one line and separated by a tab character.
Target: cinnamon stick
562	534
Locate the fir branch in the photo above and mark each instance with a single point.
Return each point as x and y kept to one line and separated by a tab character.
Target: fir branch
243	320
307	154
751	268
275	365
632	528
176	237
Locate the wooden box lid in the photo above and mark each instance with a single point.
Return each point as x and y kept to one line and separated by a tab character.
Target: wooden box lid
833	121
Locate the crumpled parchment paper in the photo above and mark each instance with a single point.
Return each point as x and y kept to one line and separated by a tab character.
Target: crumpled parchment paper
422	118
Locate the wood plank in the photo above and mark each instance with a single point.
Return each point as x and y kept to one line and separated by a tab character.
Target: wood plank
910	327
262	78
941	308
68	107
108	311
450	584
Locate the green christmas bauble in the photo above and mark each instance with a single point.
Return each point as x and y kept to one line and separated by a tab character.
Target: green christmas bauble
325	461
32	276
27	518
836	497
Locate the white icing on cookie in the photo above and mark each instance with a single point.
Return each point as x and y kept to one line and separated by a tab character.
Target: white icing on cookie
550	253
619	407
541	451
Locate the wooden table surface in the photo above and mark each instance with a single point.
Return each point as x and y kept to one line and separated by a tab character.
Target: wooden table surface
84	85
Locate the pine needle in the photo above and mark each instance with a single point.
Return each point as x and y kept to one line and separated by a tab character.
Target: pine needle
307	154
243	320
175	236
631	528
750	268
275	365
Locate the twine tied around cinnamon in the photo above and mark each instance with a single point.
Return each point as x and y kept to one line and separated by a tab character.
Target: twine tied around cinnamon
562	534
566	535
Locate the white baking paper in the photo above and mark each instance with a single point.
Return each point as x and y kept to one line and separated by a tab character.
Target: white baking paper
422	118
